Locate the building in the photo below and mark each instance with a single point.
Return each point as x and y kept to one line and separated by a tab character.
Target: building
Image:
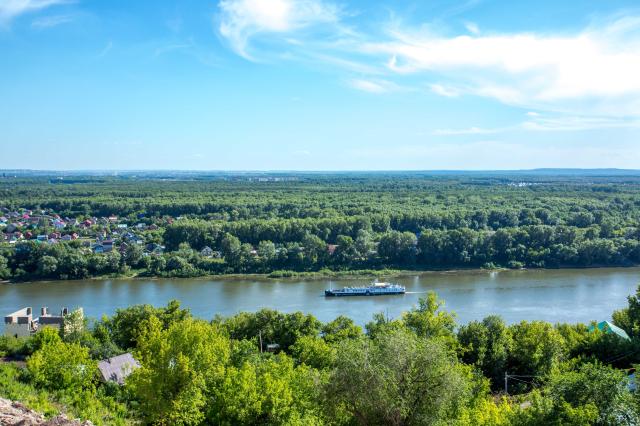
206	252
609	328
22	324
117	368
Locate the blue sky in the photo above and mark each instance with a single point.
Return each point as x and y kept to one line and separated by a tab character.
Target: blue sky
319	85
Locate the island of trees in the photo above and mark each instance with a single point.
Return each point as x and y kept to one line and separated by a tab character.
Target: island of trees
286	224
418	369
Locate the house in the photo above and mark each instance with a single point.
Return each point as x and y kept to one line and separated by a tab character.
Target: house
155	248
22	324
610	328
117	368
41	238
66	237
123	247
107	246
19	323
331	249
97	248
206	252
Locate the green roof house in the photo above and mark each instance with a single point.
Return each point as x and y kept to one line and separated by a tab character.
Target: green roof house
607	327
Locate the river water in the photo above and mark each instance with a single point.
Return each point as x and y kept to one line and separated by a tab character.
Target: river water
552	295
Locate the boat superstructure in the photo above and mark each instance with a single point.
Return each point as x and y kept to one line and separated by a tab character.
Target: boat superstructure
375	289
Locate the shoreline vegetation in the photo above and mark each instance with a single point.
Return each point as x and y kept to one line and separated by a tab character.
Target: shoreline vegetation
318	275
279	368
305	225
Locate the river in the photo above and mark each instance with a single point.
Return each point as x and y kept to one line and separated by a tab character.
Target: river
568	295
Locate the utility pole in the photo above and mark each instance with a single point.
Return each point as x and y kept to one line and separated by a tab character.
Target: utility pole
506	383
260	335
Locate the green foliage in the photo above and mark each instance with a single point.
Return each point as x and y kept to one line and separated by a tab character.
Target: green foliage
62	366
428	320
397	378
594	384
178	365
487	345
126	325
537	349
272	327
44	337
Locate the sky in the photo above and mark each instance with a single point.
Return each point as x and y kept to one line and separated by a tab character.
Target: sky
319	85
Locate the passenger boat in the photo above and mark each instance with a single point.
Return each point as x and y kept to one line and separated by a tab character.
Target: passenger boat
375	289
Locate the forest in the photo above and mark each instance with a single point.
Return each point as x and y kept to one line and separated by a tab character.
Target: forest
421	368
281	224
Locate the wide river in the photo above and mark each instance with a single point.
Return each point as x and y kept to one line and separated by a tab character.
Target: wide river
551	295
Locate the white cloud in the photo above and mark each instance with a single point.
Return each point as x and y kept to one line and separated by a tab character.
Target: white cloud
529	69
373	86
447	91
592	72
577	123
469	131
10	9
51	21
240	20
472	27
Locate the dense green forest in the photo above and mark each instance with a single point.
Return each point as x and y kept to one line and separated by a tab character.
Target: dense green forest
418	369
261	223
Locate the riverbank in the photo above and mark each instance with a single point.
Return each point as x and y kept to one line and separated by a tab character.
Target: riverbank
275	275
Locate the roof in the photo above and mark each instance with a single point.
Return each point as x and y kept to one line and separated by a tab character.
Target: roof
118	368
607	327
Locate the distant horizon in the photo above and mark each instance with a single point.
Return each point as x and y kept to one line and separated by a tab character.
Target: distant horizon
539	169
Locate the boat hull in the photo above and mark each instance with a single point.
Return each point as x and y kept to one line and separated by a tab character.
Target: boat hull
334	293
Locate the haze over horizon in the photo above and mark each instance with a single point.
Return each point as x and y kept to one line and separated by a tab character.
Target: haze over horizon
319	85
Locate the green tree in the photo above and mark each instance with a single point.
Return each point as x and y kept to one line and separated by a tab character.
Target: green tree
537	348
341	328
598	385
62	366
397	379
487	345
5	272
47	266
231	250
178	364
428	320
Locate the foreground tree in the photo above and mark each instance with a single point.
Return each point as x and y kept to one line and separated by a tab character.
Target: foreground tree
397	379
179	364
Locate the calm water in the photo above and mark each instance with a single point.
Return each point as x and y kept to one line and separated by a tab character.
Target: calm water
551	295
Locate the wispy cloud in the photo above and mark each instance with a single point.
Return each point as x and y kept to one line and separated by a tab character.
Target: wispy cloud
51	21
443	90
529	69
468	131
241	20
106	49
374	86
472	27
11	9
591	72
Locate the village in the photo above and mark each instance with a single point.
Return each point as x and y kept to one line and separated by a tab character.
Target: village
100	235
